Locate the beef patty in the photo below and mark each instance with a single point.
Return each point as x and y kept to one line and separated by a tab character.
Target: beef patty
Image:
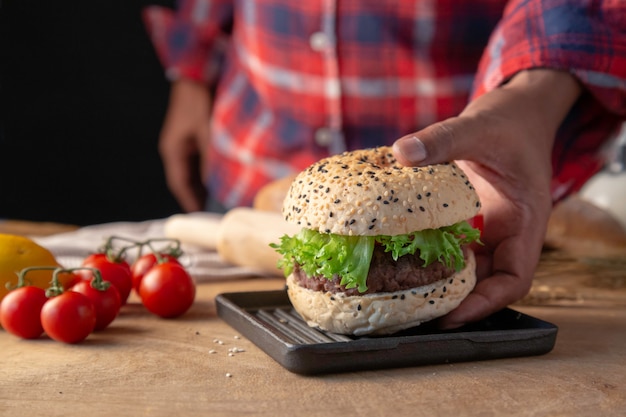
385	275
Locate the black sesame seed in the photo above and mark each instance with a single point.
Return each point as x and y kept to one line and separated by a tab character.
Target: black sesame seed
402	297
371	227
330	214
374	219
428	194
385	202
409	210
394	297
332	298
419	196
379	198
352	221
337	201
444	289
432	301
422	208
359	307
445	204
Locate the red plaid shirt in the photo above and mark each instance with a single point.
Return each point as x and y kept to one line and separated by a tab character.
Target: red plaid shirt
295	81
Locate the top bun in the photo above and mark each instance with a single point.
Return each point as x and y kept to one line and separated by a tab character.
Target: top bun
368	193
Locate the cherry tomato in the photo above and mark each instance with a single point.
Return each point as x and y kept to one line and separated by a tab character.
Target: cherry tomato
143	264
105	298
69	317
20	310
116	272
73	280
167	290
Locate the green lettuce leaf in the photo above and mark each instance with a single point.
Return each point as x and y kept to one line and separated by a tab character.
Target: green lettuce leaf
349	257
435	245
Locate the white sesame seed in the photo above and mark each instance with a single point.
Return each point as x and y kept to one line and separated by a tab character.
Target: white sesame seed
228	375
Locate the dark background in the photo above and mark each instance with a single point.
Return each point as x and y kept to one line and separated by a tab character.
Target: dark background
82	99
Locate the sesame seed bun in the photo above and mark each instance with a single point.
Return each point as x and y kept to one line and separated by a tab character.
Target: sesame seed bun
367	193
382	313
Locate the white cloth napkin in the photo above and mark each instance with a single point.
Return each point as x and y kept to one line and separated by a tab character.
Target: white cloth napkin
204	265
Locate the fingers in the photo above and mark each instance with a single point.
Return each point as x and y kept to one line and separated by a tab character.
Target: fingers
504	277
489	295
183	139
183	180
181	161
454	138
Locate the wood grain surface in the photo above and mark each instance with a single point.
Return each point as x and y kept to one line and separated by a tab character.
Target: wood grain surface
145	366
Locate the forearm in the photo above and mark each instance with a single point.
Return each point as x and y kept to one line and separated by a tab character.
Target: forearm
535	101
552	93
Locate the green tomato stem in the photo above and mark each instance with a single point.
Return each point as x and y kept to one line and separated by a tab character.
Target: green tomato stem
21	276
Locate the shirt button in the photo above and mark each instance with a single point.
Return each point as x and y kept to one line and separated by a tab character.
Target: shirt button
318	41
323	136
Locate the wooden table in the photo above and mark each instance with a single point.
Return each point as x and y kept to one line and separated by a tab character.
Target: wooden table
146	366
143	365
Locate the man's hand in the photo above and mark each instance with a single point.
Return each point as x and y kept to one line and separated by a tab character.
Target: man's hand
503	141
183	139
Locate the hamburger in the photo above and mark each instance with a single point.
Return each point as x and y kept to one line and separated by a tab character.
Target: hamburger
383	247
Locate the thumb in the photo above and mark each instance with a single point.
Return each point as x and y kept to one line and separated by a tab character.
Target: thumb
451	139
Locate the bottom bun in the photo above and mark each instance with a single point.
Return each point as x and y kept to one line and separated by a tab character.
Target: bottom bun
382	313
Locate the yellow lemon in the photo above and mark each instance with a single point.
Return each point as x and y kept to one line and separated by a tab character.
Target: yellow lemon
19	252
